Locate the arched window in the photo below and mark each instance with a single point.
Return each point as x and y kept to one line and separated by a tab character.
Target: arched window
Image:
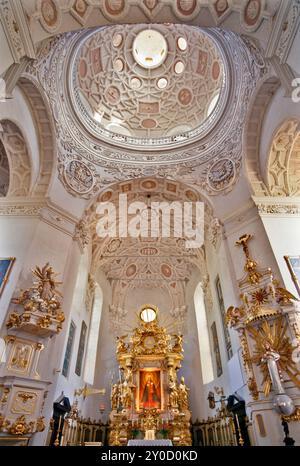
91	353
203	336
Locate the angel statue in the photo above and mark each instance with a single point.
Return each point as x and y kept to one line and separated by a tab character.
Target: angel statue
47	286
271	358
178	344
121	345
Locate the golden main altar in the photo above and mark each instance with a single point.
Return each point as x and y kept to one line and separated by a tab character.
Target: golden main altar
149	401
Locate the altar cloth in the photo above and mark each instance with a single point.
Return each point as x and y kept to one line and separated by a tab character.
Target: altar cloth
150	443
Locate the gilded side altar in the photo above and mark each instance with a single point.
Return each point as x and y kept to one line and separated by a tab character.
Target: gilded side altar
149	401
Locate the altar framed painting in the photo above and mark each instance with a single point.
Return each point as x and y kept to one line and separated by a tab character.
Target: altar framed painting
6	264
150	389
293	263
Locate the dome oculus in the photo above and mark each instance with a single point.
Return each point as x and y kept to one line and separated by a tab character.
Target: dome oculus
149	48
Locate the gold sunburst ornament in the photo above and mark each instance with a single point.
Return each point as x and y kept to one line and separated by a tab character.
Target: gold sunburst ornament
274	354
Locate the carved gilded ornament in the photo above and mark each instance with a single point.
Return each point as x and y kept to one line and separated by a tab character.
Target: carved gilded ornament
149	357
262	319
261	297
21	427
272	338
41	304
293	417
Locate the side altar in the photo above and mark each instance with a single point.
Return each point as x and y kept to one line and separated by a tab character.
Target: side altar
149	402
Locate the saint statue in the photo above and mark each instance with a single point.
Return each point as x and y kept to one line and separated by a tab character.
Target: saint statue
115	396
173	392
271	358
183	400
126	394
150	398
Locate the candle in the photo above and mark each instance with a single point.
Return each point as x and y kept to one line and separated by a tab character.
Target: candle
59	423
237	421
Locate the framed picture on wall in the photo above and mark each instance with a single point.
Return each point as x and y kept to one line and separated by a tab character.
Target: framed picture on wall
5	269
68	353
216	349
81	347
293	263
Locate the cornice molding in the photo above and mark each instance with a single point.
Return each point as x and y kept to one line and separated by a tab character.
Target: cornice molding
277	207
43	209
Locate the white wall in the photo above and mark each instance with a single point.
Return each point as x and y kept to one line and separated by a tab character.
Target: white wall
284	235
16	234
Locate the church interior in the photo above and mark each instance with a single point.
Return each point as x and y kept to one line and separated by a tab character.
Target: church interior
149	222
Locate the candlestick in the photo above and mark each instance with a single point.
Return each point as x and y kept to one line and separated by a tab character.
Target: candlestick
56	443
237	421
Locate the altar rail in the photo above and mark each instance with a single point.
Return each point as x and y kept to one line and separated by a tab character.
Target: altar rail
79	432
217	431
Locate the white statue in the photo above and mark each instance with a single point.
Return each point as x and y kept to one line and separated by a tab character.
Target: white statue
271	358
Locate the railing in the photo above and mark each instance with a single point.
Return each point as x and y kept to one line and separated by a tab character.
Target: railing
79	432
217	431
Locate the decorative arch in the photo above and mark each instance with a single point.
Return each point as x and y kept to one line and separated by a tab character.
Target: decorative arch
18	159
128	263
283	178
45	131
256	117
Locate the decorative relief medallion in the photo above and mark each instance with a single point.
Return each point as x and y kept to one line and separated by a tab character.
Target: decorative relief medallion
131	270
114	245
215	71
24	403
80	6
186	7
79	177
106	196
112	95
114	9
221	174
252	14
50	15
220	7
166	270
185	96
149	184
191	195
20	357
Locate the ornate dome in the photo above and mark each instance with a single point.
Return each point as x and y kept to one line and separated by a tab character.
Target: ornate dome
148	84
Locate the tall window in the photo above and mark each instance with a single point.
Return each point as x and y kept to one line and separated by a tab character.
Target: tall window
223	314
203	336
91	354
